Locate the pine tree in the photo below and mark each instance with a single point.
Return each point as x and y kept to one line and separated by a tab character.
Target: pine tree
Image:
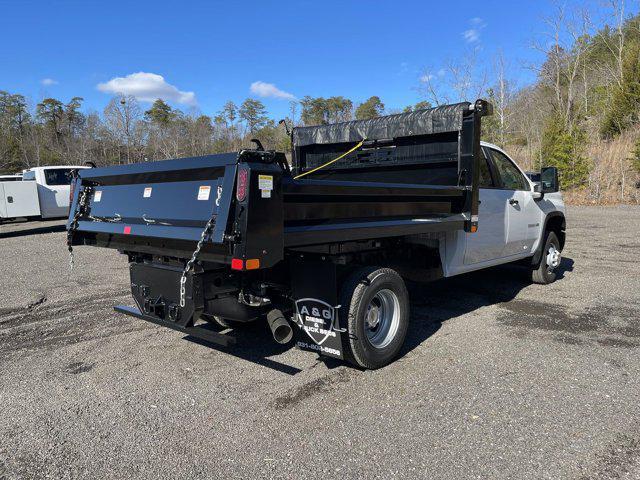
564	148
371	108
160	113
625	105
254	113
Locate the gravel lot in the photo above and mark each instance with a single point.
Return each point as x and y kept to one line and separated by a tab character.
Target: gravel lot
500	378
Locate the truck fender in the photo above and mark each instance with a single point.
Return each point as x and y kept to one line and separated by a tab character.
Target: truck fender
557	222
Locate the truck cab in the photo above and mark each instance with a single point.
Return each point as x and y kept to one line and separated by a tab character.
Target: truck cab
513	214
53	188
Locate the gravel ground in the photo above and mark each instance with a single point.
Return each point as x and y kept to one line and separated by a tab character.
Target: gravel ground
500	378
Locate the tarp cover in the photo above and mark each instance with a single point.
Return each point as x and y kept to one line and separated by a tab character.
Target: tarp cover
446	118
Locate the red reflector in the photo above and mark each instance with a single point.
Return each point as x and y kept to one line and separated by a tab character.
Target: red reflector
237	264
127	230
241	187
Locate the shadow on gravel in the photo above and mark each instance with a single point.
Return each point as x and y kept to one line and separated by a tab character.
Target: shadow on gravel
35	230
431	303
436	302
254	343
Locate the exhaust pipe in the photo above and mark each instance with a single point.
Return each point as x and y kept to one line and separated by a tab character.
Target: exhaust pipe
280	328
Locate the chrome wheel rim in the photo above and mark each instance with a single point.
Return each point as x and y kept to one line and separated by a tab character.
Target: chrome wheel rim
553	257
382	318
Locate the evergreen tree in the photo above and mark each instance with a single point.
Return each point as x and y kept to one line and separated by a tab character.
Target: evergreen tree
624	109
564	149
254	114
160	113
371	108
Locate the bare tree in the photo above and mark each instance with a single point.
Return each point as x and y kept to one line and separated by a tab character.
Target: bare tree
459	80
569	36
122	115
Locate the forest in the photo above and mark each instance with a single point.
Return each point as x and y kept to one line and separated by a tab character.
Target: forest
581	114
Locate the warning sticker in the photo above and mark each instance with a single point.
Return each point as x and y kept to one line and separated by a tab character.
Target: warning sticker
265	193
265	182
147	192
97	196
203	192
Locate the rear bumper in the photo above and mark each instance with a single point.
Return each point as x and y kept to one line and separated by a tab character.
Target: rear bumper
200	331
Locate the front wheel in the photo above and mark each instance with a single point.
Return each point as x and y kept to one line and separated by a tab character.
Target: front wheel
545	272
376	303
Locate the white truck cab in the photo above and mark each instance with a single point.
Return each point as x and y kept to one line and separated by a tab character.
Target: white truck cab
514	219
42	192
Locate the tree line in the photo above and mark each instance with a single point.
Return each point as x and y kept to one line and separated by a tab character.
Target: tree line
582	113
55	132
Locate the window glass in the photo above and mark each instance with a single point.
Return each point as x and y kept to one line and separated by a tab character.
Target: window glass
485	174
511	177
57	176
29	176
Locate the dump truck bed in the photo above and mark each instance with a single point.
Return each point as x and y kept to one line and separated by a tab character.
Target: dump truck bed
422	179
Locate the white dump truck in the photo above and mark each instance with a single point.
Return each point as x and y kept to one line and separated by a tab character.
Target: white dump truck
40	192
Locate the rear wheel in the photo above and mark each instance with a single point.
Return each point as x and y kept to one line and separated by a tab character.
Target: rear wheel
376	303
545	272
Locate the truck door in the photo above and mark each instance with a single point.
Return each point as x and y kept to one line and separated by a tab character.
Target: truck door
489	241
53	190
522	214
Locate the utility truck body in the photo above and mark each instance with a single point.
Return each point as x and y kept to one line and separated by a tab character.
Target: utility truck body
319	250
40	192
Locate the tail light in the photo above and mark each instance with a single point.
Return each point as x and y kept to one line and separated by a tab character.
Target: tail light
242	184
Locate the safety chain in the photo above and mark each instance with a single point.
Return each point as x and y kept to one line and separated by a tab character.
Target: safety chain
73	226
194	258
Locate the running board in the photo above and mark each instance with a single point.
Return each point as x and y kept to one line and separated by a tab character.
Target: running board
199	332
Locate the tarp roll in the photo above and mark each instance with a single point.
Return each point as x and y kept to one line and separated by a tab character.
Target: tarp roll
447	118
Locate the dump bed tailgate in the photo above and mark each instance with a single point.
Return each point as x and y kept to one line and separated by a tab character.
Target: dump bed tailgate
147	204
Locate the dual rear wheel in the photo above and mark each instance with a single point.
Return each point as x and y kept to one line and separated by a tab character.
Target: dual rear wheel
375	311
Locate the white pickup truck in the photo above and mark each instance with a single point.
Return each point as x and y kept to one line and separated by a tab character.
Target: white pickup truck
40	192
321	248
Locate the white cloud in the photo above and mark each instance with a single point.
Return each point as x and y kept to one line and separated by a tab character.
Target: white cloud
263	89
147	87
442	72
426	77
472	35
48	81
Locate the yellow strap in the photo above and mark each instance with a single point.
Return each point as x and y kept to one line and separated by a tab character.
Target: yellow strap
330	162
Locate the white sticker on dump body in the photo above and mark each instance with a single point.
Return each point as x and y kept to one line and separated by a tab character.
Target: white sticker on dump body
265	182
203	192
97	196
147	192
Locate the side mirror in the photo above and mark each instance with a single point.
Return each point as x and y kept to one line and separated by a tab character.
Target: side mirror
549	180
537	191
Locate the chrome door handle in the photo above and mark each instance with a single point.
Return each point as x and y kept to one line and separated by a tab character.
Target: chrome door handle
513	201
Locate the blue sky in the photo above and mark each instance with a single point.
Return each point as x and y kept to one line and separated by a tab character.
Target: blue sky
201	54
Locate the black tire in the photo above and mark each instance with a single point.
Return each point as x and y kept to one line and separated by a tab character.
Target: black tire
366	287
544	273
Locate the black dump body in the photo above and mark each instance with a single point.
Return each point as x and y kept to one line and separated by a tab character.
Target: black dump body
414	173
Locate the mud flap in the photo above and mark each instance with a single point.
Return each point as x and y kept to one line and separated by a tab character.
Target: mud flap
315	293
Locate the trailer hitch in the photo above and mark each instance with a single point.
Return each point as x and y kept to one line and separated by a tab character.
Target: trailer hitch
154	306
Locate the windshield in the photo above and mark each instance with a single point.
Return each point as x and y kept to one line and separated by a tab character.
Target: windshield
57	176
